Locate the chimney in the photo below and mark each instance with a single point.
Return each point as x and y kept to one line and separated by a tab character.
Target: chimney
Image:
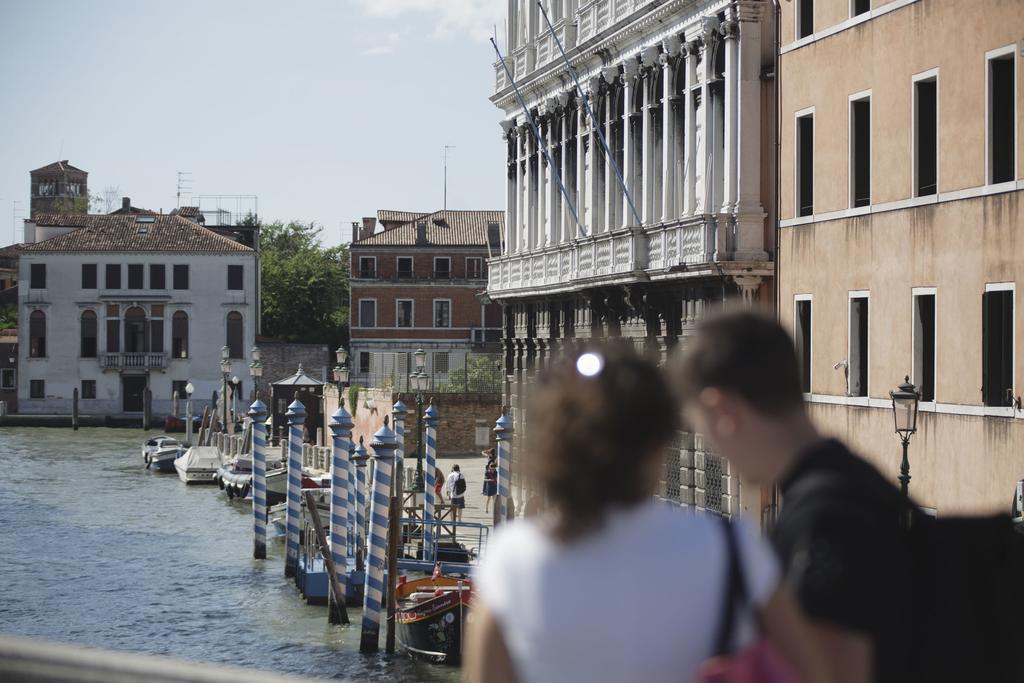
421	233
126	203
355	230
369	227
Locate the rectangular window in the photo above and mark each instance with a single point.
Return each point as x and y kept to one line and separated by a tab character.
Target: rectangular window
474	268
235	277
112	273
859	7
113	328
367	313
805	165
364	362
37	276
180	275
926	141
368	267
178	388
804	18
997	345
36	388
403	313
88	276
156	335
157	276
924	345
802	329
405	267
1001	118
136	276
858	360
860	152
88	388
442	313
442	268
7	379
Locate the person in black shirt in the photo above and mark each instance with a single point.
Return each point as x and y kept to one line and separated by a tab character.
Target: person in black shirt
839	534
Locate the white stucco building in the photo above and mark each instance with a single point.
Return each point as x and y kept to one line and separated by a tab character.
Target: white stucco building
112	305
683	92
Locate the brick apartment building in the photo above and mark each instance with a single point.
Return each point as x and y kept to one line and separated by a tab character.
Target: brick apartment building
419	283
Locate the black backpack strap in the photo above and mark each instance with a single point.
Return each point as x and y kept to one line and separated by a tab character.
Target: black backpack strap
735	593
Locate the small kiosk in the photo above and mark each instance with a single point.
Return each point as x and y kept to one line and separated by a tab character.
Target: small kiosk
310	394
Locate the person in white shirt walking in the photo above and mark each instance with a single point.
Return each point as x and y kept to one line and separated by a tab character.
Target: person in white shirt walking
455	485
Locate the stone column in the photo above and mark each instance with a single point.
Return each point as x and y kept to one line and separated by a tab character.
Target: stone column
630	68
511	183
728	30
543	181
579	182
689	142
610	182
706	147
529	200
668	133
519	229
650	62
565	222
595	153
750	214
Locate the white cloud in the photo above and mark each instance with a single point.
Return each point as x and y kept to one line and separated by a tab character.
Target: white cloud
385	45
474	18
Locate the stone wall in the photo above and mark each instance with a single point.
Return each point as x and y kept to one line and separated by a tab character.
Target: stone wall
281	359
460	416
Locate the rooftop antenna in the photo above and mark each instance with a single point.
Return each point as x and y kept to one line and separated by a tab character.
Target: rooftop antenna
444	204
184	184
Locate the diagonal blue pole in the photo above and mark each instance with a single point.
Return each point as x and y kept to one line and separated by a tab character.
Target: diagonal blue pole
296	417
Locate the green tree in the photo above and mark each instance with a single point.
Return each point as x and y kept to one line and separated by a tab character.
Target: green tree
305	285
481	374
8	317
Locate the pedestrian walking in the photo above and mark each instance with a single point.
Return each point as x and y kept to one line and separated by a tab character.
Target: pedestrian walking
455	485
838	535
490	478
439	481
608	584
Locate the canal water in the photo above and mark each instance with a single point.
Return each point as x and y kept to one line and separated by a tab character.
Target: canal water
98	551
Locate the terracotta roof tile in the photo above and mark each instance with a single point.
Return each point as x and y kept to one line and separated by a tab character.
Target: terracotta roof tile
127	233
57	166
392	216
444	228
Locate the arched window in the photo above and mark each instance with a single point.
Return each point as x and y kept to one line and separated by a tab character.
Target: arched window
179	335
88	348
135	338
234	334
37	335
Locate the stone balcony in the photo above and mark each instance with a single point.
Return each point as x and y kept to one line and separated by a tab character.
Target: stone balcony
681	249
148	360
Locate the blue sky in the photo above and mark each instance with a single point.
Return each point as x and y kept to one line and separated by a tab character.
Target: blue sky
326	110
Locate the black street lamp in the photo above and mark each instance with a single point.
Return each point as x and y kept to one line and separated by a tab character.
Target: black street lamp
225	371
341	370
904	412
419	381
256	371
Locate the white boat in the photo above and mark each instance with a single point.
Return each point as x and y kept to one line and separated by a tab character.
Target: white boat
162	460
198	465
153	444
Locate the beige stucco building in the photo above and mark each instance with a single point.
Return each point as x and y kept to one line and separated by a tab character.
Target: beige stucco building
900	245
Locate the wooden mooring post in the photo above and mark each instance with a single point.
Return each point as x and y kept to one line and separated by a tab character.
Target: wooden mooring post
338	603
147	408
74	409
394	531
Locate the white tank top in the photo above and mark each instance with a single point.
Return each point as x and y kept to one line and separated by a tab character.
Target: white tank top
638	600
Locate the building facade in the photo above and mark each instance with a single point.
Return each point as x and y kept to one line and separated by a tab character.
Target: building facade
900	250
419	283
681	91
115	305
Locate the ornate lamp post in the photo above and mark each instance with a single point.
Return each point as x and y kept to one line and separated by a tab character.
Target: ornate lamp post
235	383
341	370
225	371
904	410
189	388
419	382
257	362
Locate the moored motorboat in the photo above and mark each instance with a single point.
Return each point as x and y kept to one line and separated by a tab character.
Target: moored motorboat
163	459
431	617
198	465
153	444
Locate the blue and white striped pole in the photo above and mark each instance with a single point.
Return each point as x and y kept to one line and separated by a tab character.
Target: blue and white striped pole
351	507
341	426
360	459
430	453
384	444
398	413
503	435
296	417
258	413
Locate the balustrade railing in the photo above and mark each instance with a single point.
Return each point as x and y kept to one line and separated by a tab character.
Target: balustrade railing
143	361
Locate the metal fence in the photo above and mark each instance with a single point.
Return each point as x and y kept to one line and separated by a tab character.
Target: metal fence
449	372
